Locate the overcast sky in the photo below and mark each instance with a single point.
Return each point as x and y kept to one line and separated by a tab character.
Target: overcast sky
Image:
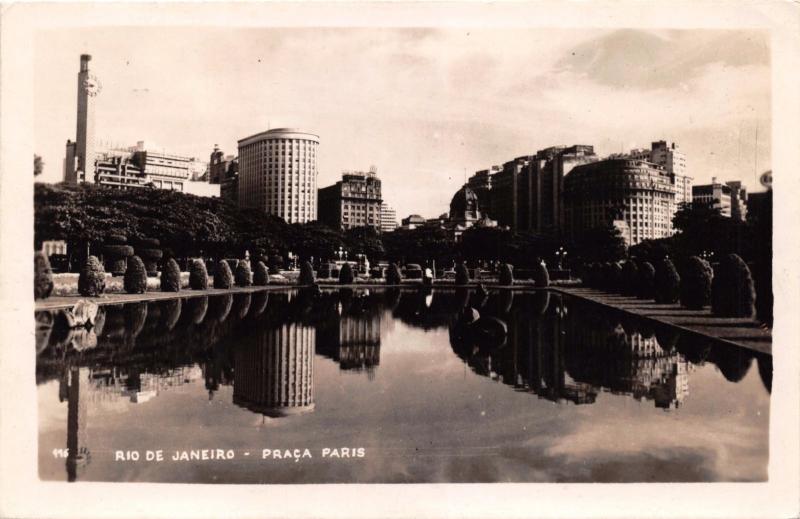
423	105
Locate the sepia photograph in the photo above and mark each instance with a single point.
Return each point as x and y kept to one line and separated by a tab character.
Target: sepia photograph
281	254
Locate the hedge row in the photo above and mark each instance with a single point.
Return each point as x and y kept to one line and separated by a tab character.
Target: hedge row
728	288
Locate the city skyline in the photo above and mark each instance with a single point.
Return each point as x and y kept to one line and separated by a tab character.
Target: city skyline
424	105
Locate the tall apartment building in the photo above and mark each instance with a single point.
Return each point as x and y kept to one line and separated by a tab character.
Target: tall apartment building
80	154
673	160
730	197
636	192
224	170
354	201
278	173
527	193
388	218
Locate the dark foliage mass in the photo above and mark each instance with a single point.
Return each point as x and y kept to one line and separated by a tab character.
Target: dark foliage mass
244	276
696	283
42	277
667	282
306	274
261	275
541	277
733	292
393	275
92	279
630	278
462	274
647	281
346	274
506	276
171	277
198	275
135	280
223	277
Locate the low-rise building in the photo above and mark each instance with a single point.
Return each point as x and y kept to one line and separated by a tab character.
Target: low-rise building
730	198
388	218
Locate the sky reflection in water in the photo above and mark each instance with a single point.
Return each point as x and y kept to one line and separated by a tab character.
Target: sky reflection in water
545	388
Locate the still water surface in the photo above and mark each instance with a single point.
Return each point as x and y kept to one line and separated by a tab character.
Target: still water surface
393	386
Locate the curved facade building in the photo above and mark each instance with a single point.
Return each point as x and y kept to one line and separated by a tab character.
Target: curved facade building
637	192
278	173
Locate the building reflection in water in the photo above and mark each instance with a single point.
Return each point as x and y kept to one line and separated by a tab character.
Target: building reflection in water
274	371
350	331
571	352
84	388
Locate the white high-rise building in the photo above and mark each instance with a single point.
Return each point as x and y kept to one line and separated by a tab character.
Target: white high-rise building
668	156
278	173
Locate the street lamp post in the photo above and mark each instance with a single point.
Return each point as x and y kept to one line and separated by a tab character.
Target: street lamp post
561	255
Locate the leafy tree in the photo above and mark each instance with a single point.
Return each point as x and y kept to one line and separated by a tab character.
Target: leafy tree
420	245
38	165
600	244
365	240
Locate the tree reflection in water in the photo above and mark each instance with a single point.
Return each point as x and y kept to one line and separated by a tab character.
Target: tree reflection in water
262	346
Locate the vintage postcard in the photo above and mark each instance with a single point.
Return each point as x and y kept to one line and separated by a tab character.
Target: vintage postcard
462	258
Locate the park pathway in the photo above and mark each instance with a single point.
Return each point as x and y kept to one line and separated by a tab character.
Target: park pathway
746	333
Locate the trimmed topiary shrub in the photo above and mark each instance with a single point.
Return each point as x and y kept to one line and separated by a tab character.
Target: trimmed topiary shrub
135	280
506	276
116	254
462	274
647	281
732	290
198	275
393	275
630	278
261	275
116	239
696	284
42	276
244	276
150	257
306	274
346	275
541	278
171	277
667	283
223	277
92	279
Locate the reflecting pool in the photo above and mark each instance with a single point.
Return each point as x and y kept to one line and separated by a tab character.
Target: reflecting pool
391	386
